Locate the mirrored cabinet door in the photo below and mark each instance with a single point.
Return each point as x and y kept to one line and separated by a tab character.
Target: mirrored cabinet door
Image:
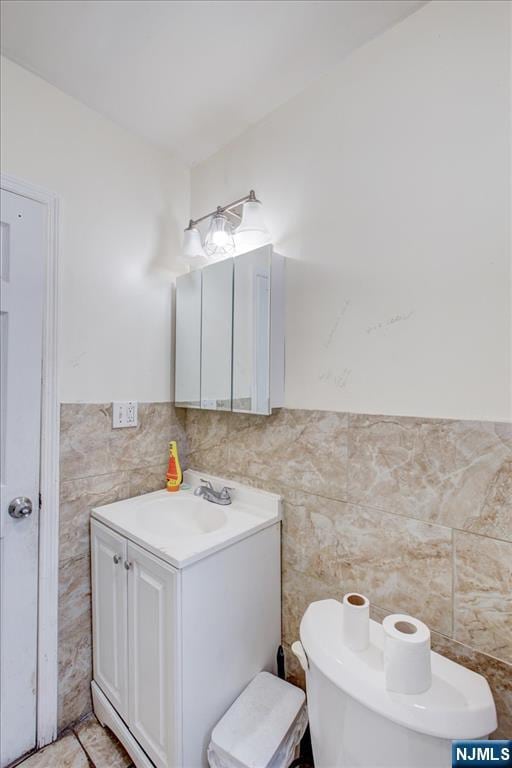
217	330
188	340
258	332
251	338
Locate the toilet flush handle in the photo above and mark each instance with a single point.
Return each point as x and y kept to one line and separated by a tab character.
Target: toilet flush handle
300	653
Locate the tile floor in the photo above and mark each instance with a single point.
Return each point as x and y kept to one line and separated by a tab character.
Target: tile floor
86	745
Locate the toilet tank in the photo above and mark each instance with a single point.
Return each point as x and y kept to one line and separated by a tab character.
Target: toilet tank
356	723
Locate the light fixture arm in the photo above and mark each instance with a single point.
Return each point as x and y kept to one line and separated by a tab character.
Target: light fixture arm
251	197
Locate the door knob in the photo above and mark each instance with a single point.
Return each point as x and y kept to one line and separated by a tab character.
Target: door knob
21	506
127	565
117	559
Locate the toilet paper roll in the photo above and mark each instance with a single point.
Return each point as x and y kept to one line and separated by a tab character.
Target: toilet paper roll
356	621
406	654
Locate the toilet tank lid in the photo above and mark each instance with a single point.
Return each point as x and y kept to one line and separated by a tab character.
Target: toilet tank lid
458	705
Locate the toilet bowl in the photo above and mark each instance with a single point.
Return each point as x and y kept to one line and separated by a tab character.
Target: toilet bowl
356	723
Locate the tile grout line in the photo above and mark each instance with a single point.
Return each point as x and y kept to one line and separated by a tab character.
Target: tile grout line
116	472
87	756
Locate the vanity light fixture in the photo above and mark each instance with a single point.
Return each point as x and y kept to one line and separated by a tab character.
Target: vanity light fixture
246	214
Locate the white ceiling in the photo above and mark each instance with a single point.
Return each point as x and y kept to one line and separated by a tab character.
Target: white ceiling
189	75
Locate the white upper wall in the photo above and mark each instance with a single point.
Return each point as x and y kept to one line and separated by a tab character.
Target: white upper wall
123	208
387	184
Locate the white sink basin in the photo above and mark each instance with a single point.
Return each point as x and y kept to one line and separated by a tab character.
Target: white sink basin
185	516
182	528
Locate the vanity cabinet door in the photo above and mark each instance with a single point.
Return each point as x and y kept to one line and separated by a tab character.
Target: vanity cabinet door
109	591
152	645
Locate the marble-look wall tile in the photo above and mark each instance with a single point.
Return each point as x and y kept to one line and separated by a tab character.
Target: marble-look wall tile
147	479
77	498
75	643
300	449
207	439
483	594
450	472
495	517
298	591
303	449
84	447
91	447
402	564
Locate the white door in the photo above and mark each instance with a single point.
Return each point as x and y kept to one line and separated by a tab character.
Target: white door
23	238
109	590
152	648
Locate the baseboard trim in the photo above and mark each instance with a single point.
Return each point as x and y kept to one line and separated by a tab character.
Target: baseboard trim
108	716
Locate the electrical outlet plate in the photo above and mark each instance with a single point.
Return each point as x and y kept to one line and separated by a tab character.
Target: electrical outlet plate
124	414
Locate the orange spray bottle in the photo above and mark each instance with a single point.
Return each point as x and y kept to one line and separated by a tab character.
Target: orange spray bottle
174	473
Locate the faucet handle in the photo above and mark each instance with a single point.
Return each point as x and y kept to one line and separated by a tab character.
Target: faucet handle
207	483
226	492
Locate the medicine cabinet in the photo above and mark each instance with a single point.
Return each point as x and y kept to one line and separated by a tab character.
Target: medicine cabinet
230	334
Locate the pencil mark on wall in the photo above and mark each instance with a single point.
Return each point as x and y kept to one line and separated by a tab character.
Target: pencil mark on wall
388	323
339	379
337	324
75	363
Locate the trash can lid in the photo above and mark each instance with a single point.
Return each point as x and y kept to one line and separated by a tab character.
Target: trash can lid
255	725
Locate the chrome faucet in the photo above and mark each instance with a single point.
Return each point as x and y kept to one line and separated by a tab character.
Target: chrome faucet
207	491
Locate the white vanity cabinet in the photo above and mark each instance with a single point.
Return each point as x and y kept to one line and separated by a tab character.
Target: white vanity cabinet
181	624
135	614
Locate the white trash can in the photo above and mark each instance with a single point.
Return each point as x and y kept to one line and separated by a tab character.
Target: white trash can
263	728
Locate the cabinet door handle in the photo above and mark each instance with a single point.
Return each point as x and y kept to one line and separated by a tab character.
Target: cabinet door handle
117	559
127	565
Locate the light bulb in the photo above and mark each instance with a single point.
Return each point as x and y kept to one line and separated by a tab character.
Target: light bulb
219	242
220	238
